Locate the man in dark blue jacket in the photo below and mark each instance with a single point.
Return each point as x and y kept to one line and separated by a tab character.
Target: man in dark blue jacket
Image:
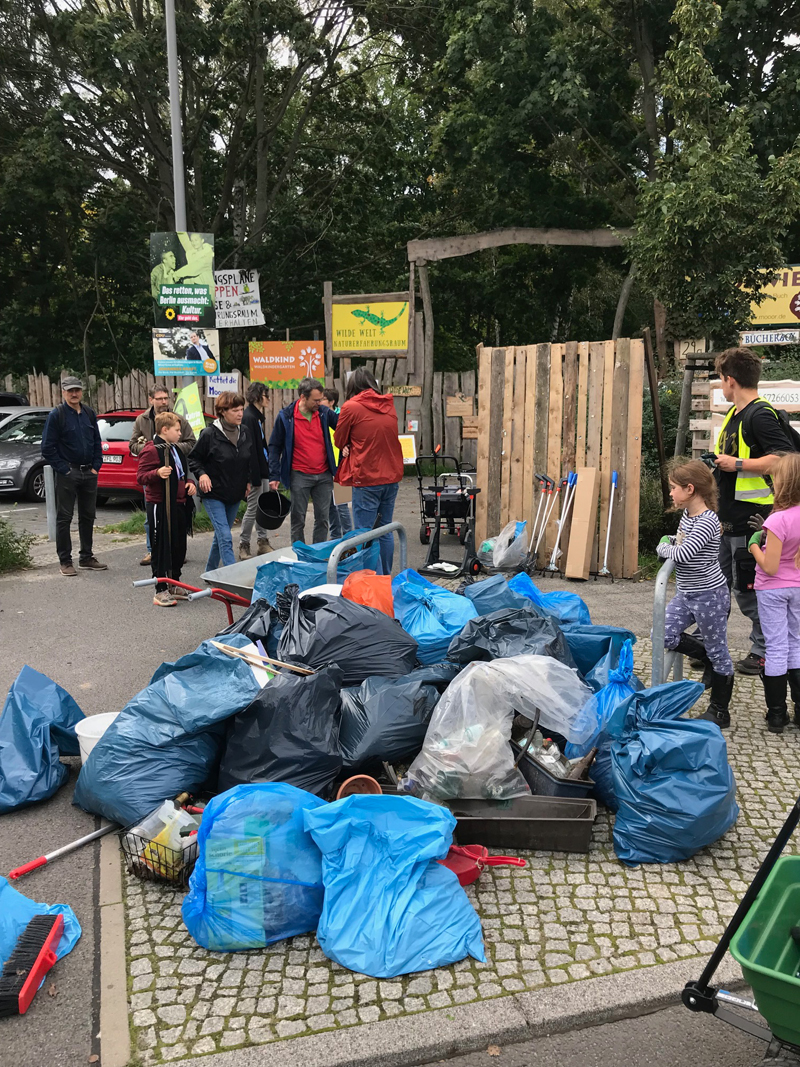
71	445
301	456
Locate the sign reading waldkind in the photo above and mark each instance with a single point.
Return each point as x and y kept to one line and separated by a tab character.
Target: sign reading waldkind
282	364
182	350
782	306
237	298
182	279
370	327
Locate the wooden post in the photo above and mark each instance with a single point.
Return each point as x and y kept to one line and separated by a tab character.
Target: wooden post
633	461
327	300
427	358
412	333
652	378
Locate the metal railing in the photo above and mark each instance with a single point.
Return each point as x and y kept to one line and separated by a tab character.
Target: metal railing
664	660
362	539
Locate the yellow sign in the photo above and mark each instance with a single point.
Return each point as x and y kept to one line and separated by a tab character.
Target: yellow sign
370	327
189	404
408	444
782	306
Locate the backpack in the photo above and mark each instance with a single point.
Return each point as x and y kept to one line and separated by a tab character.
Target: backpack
792	436
62	414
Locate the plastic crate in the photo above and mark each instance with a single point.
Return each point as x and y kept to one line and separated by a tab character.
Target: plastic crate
556	824
545	784
768	954
157	863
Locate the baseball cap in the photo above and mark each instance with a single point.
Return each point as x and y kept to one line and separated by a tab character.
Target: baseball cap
71	382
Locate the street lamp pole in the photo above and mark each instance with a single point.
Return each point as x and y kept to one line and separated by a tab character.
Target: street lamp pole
179	190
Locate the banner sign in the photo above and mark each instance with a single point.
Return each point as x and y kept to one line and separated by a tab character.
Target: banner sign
182	278
783	394
216	384
189	404
237	298
185	351
283	364
770	337
370	327
782	306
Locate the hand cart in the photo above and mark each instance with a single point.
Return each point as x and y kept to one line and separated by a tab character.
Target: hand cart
227	598
453	508
451	504
764	938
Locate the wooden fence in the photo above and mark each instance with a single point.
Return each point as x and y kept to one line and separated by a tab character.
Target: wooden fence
550	409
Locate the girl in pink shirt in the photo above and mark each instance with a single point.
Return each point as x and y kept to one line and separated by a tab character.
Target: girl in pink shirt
778	592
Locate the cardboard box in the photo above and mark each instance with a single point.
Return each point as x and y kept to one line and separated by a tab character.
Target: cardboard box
342	494
584	523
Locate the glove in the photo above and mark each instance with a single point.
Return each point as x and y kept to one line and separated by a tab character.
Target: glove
756	538
665	540
755	522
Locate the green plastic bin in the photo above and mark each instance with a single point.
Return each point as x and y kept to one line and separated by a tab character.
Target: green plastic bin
768	955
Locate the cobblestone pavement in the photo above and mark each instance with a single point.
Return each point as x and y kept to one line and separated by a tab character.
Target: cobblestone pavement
563	918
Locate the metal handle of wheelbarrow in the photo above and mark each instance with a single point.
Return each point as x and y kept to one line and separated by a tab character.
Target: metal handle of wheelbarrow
699	996
200	594
663	660
362	539
143	582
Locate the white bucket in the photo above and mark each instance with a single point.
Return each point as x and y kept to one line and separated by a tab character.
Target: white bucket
91	729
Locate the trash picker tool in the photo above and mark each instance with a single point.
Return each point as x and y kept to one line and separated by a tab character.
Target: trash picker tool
551	506
256	660
543	481
569	496
604	569
26	868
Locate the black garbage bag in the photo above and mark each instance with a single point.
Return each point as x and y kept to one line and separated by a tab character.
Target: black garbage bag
290	733
254	623
363	641
510	632
387	718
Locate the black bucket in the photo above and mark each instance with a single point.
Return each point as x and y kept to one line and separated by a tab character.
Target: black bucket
272	509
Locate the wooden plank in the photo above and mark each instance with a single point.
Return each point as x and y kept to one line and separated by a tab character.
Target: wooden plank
437	411
579	554
569	428
401	389
700	425
633	460
458	405
619	428
482	443
412	332
494	473
374	353
469	428
516	493
416	371
437	248
32	391
400	382
508	430
362	298
605	443
528	406
469	451
554	458
380	372
452	425
583	404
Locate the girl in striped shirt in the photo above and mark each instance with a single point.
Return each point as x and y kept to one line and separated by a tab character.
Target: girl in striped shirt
703	596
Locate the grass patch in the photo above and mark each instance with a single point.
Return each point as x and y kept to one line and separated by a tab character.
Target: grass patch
134	524
15	548
649	565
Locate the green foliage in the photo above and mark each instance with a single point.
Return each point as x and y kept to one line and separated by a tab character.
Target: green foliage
134	524
15	548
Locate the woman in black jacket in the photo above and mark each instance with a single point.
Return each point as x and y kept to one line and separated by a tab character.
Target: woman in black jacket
254	420
225	464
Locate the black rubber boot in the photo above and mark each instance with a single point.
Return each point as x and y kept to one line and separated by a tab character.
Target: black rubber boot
794	688
775	695
721	692
695	652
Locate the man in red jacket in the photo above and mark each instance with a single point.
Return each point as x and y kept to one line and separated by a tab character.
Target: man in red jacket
372	459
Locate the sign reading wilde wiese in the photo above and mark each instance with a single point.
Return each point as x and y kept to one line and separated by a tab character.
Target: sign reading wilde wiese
182	279
370	327
237	298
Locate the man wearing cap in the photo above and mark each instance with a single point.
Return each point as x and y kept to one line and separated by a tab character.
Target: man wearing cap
71	445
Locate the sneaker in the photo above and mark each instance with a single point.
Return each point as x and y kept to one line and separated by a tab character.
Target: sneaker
751	664
164	600
92	564
68	570
145	561
264	547
244	551
177	593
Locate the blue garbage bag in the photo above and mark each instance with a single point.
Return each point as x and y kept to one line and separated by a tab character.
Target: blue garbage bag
432	615
272	577
37	725
590	644
322	549
169	737
675	787
563	606
16	911
494	594
389	907
258	876
595	715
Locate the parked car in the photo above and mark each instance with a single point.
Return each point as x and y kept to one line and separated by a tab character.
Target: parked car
21	463
17	400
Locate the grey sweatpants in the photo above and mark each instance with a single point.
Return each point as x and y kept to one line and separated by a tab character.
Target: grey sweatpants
319	489
746	599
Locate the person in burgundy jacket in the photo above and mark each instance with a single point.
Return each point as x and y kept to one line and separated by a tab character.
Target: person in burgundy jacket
163	475
371	456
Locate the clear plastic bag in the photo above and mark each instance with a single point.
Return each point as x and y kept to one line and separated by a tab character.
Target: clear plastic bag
467	752
510	547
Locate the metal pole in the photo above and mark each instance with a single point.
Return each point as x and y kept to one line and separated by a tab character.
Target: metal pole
50	500
178	186
363	539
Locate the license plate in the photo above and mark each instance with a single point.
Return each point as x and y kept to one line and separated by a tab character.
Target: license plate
112	459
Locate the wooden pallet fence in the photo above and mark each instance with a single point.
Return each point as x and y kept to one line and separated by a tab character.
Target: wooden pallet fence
549	409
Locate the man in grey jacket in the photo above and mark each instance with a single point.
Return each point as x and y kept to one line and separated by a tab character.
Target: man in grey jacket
144	430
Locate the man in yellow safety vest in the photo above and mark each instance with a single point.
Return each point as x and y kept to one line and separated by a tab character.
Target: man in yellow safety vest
747	445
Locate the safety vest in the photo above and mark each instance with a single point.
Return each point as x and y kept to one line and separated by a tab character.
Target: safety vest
753	488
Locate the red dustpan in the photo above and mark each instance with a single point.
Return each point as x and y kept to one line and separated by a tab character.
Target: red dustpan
467	862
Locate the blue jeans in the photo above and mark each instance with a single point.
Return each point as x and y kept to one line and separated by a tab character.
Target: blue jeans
373	505
339	520
222	517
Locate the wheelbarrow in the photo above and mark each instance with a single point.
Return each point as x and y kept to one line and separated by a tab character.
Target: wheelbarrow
224	595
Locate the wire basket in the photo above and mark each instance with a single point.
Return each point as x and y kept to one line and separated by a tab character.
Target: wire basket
154	862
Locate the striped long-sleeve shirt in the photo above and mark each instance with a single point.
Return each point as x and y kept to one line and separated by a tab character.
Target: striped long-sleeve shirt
696	553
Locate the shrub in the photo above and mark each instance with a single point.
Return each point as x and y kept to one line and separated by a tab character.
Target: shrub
15	548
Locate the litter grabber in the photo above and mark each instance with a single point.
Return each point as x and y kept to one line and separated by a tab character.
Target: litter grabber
761	939
553	495
604	569
543	481
26	868
569	496
255	660
467	861
198	594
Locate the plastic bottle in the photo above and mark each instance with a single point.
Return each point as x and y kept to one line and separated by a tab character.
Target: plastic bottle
551	759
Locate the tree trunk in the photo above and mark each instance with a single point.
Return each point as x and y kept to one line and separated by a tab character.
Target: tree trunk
426	418
622	303
643	45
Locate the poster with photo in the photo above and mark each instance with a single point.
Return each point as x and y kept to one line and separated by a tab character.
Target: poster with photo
182	283
184	350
